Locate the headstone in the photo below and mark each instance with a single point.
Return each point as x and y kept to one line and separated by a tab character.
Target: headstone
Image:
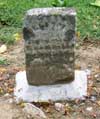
49	35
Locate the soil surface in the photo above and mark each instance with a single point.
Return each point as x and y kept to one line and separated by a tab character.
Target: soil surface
87	55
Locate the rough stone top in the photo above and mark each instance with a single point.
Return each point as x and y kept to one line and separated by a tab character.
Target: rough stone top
53	10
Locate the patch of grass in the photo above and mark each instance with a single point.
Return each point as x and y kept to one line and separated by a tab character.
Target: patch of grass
3	61
60	3
7	34
88	18
11	16
12	13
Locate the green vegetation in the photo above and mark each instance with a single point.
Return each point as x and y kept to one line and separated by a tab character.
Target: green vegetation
59	3
12	13
3	61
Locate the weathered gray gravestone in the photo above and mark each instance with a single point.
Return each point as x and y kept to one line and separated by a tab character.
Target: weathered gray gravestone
49	35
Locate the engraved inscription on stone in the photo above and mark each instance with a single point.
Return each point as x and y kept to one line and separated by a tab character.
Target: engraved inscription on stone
49	35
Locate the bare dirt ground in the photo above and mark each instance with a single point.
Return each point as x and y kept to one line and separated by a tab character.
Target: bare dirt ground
87	56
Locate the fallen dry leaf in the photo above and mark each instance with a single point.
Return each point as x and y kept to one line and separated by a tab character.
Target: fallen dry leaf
17	36
1	90
78	34
77	66
3	70
22	104
98	102
3	49
10	90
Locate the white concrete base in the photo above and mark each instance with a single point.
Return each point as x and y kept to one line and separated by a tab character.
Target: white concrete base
70	91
